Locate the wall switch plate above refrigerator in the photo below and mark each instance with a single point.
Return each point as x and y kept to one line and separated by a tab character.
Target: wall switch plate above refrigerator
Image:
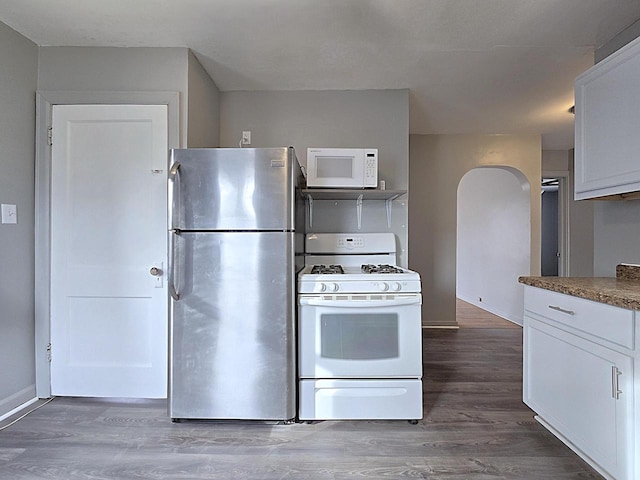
9	213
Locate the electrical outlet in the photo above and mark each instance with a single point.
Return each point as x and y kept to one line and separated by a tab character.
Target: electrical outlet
9	213
246	137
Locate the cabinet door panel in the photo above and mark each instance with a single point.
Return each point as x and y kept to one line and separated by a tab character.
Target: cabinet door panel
568	381
607	121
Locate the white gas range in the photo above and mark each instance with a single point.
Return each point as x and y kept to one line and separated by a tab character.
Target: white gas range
359	330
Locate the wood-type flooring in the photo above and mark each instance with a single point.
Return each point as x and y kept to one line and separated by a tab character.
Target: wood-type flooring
475	427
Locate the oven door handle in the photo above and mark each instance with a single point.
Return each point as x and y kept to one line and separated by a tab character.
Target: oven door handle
323	302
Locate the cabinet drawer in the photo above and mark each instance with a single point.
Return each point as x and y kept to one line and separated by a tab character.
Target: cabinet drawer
609	323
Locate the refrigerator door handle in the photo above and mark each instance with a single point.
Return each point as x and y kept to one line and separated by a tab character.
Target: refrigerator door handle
172	262
174	184
174	169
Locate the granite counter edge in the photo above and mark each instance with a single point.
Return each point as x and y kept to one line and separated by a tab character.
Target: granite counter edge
588	288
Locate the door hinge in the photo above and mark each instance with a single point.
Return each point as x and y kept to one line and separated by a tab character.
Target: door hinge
50	136
49	352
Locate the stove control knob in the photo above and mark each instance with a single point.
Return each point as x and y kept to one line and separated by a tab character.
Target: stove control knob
396	287
383	286
320	287
332	287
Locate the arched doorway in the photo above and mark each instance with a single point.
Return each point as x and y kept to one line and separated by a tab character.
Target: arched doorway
493	239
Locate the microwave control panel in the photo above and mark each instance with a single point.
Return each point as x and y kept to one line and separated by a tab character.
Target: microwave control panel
371	168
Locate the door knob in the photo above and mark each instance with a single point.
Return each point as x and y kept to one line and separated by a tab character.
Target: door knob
155	271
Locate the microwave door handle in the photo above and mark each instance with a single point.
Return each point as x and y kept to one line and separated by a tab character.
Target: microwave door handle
321	302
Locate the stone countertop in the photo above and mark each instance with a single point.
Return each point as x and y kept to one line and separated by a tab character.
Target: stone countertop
619	292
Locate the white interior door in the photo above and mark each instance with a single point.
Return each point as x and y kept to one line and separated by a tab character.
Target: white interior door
108	231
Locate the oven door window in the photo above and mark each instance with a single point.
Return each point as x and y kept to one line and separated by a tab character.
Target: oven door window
359	336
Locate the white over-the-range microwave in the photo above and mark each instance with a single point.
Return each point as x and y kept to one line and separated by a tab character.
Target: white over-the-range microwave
342	167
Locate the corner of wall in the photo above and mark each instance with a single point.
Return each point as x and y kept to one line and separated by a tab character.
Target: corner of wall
17	401
581	230
203	106
18	84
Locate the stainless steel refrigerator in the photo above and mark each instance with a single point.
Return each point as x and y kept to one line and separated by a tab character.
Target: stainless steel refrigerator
236	218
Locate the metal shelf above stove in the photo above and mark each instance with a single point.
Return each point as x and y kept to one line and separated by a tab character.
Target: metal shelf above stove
352	194
359	195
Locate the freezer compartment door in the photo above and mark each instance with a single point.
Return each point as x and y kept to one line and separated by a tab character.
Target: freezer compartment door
232	348
234	189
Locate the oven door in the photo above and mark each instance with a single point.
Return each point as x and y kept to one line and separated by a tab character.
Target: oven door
360	336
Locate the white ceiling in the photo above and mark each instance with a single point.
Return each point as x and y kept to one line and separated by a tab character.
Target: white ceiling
472	66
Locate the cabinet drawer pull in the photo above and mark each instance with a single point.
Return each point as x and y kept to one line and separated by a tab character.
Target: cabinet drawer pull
615	382
562	310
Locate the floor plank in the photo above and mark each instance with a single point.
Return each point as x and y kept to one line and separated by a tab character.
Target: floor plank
475	427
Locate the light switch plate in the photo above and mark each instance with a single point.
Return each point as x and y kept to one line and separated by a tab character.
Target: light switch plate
9	213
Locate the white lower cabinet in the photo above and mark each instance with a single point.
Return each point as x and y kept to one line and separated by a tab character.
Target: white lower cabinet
580	385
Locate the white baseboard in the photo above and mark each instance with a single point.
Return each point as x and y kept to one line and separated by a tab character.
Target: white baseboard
517	319
18	401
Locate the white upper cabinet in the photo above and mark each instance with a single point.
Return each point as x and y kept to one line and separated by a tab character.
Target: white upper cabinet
607	126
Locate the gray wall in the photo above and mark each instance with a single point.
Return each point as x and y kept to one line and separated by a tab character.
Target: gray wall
555	161
19	61
437	164
203	117
581	231
616	239
106	69
364	118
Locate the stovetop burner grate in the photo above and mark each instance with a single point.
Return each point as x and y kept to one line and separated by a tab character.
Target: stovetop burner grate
327	269
370	268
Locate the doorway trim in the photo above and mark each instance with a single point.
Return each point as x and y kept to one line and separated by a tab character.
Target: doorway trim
45	100
563	218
